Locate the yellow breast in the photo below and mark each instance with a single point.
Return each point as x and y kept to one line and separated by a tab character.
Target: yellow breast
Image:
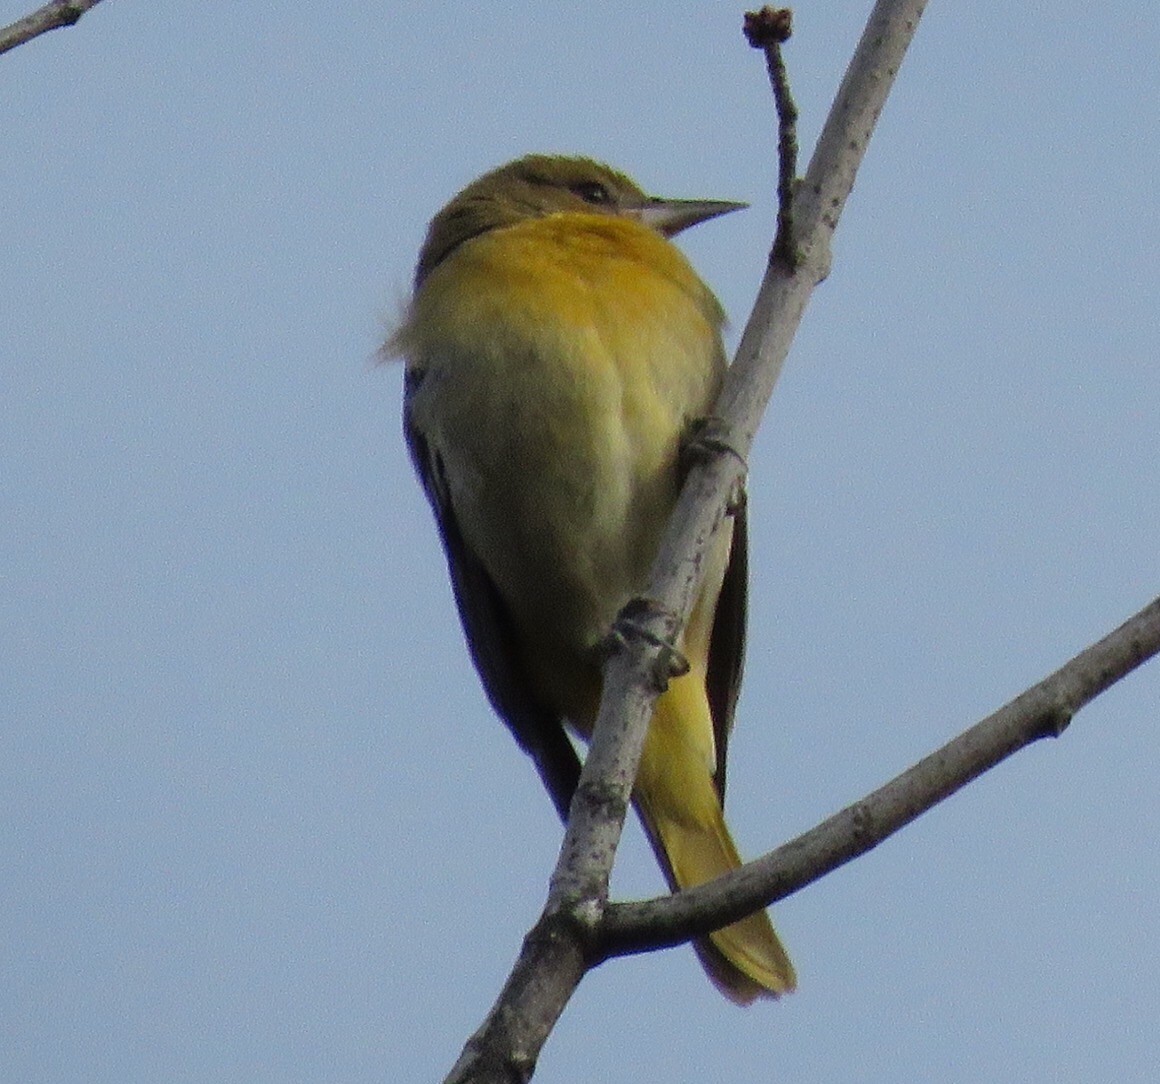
563	359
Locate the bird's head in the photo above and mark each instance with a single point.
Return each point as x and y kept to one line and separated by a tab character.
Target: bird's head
544	184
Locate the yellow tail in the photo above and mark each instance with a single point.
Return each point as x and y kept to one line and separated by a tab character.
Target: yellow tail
681	810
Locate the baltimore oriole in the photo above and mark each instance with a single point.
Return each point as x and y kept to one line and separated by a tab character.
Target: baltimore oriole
558	350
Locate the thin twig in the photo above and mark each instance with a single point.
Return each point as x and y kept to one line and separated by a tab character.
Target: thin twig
50	17
769	29
1043	711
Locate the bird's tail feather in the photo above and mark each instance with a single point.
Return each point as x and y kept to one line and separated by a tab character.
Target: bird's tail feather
745	960
681	811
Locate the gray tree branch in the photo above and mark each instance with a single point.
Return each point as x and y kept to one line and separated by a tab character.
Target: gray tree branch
50	17
1043	711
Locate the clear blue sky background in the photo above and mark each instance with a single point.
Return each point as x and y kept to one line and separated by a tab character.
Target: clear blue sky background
257	822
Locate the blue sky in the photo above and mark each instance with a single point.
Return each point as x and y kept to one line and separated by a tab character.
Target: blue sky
258	822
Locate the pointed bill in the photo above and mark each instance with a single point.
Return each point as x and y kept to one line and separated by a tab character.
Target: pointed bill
670	216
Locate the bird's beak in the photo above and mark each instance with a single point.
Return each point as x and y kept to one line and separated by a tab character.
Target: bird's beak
670	216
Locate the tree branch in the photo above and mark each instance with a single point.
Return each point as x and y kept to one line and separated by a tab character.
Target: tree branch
578	891
50	17
1043	711
630	689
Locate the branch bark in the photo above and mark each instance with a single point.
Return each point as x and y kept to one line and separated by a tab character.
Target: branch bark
506	1046
50	17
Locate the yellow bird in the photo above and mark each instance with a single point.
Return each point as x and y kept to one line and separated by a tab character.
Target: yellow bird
558	349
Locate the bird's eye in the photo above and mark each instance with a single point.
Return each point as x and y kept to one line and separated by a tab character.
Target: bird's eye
592	192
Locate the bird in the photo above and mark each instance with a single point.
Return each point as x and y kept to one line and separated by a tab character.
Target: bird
559	353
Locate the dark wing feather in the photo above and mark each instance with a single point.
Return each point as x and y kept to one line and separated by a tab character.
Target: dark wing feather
490	632
727	642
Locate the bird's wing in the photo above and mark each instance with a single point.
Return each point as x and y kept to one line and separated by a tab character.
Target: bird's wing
727	642
490	631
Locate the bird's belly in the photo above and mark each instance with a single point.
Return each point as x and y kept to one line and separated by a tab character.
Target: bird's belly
557	386
563	499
